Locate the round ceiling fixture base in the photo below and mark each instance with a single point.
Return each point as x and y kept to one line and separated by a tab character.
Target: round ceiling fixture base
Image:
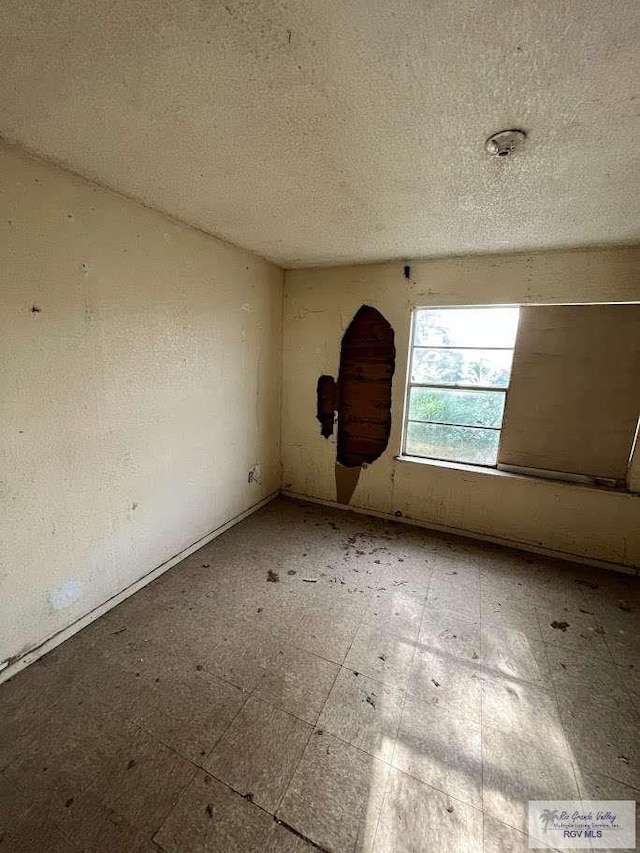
505	142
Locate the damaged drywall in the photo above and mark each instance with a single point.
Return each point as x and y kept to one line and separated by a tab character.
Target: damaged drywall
326	393
361	397
599	524
367	364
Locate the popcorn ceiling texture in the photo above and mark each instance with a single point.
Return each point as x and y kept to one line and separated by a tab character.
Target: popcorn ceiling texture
331	132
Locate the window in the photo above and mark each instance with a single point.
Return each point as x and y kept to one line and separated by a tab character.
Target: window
573	382
458	379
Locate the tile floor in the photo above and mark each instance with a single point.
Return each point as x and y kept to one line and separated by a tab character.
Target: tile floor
395	691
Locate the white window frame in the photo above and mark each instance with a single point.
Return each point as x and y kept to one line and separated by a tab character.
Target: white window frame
409	384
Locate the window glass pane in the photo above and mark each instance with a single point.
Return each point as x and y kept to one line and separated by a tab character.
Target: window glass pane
490	368
454	444
471	408
466	327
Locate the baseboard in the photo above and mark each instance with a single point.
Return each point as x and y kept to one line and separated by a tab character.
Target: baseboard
14	666
470	534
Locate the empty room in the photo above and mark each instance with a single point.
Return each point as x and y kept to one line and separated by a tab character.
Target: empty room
319	426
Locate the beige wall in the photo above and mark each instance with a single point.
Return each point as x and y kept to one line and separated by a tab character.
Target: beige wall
319	305
135	397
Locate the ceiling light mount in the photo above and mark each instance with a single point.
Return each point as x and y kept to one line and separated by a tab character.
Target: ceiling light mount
505	142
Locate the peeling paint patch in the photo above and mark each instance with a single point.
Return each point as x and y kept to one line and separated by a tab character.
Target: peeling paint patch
64	595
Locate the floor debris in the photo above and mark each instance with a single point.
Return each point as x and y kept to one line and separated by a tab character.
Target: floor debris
222	601
272	577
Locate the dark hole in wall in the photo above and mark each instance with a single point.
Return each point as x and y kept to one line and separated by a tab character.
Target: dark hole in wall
326	391
361	397
367	364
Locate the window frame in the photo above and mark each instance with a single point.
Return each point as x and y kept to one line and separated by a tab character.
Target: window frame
409	385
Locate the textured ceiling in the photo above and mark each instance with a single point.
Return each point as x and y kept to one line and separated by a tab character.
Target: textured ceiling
319	131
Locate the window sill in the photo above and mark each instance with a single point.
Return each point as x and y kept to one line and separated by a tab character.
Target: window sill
495	472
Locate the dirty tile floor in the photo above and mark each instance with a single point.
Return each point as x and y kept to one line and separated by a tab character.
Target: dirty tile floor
316	679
